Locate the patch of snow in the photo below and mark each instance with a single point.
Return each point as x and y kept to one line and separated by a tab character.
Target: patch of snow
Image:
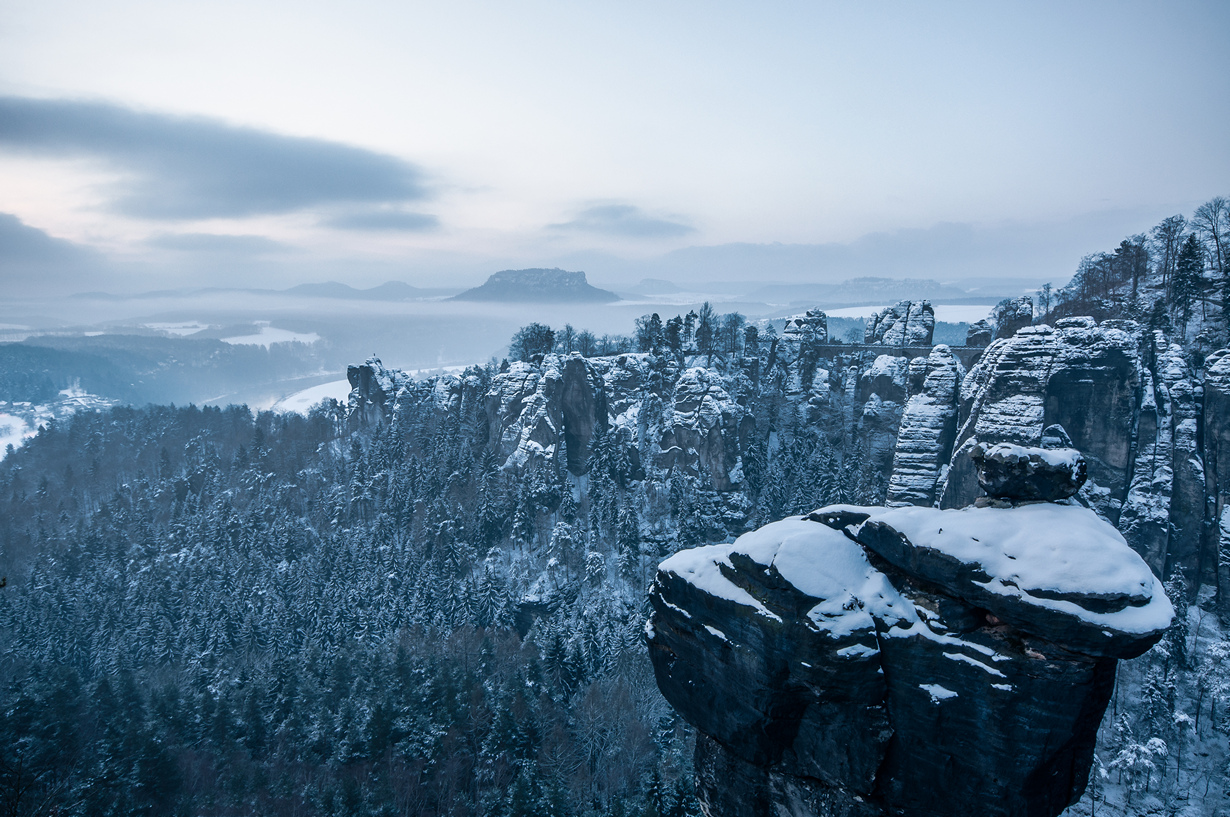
717	633
821	562
14	431
1055	457
956	656
937	692
268	335
301	402
677	609
181	329
857	651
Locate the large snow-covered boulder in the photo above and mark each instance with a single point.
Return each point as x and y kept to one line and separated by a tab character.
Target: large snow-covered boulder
868	661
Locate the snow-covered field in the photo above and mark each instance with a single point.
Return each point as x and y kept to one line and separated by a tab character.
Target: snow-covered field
301	402
14	431
270	335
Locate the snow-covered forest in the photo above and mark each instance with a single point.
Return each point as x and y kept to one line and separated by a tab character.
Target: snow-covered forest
380	611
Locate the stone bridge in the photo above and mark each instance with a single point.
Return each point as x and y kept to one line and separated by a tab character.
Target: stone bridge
968	355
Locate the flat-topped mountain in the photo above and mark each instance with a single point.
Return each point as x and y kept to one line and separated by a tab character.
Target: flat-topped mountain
542	285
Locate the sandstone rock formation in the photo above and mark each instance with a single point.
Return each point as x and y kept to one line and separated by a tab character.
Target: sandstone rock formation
1012	472
928	429
1011	315
1152	427
908	323
979	333
539	285
871	661
1149	427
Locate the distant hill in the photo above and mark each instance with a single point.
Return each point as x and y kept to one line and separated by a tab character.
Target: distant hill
540	285
390	291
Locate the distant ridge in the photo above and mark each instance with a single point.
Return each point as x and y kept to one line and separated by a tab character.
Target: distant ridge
538	285
388	291
392	291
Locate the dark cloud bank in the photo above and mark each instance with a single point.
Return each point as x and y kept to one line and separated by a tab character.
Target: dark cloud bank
32	261
194	168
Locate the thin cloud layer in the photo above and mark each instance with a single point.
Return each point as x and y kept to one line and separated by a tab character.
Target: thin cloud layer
218	243
193	168
383	221
624	220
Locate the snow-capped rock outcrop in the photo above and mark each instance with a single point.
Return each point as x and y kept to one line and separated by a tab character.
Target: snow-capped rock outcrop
372	389
1017	473
871	661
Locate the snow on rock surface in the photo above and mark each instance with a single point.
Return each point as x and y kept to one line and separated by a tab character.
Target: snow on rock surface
1056	571
864	650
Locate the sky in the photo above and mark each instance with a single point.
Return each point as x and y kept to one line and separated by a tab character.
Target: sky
162	144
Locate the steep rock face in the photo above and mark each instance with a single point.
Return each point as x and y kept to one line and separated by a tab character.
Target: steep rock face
907	323
1145	518
703	420
1149	427
1216	452
927	430
525	410
1079	375
831	671
372	389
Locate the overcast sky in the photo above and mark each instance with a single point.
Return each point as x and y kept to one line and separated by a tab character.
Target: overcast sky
152	143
